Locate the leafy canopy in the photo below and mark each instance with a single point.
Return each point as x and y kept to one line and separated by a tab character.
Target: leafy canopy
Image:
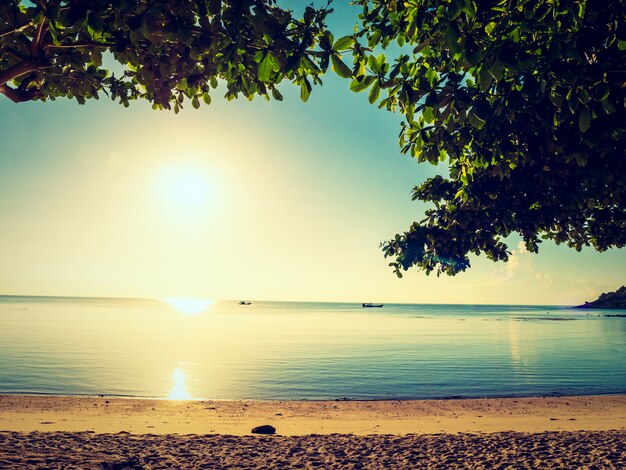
523	99
169	50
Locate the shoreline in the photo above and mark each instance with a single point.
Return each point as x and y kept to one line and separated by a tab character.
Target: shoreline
312	400
48	413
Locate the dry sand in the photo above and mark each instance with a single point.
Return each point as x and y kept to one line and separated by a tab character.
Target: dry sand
85	432
583	449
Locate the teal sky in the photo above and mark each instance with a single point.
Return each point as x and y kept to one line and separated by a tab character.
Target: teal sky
293	200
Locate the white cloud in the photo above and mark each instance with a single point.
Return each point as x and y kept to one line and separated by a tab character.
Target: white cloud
545	278
519	260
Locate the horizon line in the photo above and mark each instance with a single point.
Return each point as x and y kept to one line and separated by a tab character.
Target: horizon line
90	297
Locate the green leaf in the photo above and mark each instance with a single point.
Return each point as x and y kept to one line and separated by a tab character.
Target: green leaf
135	37
602	92
343	43
206	98
584	120
305	90
469	8
485	78
340	68
373	65
490	27
452	37
581	159
195	102
454	8
431	76
308	64
264	71
475	120
358	86
374	93
428	115
361	68
215	6
277	95
411	30
325	43
53	34
421	46
515	35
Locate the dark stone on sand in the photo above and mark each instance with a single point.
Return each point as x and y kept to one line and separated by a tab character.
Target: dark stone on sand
130	464
265	429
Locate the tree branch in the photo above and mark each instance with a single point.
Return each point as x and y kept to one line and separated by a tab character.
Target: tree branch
35	45
16	95
19	29
17	71
77	45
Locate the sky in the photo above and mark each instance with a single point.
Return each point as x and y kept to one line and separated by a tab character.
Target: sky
240	200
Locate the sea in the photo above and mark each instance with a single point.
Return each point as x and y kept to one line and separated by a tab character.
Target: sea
201	349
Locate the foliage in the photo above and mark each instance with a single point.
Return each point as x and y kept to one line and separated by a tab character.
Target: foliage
525	101
169	50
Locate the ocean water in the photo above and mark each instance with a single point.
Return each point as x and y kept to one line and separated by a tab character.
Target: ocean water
289	350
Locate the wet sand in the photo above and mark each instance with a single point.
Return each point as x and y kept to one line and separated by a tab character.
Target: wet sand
139	416
86	432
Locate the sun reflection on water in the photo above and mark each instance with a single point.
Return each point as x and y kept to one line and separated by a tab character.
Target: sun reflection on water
179	391
189	306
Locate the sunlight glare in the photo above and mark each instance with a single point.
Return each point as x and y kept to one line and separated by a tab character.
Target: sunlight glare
186	190
189	306
179	391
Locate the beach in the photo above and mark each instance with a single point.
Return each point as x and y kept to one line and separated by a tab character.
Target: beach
104	432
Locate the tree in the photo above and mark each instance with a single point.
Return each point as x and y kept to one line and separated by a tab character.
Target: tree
525	101
168	50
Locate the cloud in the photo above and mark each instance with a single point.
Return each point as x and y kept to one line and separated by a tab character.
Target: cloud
545	278
519	260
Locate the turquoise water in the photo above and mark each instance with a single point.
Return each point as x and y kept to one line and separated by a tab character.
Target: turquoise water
283	350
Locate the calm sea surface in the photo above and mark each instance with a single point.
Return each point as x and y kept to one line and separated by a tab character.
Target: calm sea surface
283	350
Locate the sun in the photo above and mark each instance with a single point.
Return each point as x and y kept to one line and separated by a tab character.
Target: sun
185	189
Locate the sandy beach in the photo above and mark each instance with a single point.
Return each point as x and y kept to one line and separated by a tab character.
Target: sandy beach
100	432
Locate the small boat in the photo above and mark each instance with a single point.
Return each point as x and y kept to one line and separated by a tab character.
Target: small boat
244	302
372	305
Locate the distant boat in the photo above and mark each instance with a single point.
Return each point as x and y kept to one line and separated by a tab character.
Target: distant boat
244	302
372	305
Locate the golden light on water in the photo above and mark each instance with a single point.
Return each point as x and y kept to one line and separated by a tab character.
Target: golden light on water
189	306
179	391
